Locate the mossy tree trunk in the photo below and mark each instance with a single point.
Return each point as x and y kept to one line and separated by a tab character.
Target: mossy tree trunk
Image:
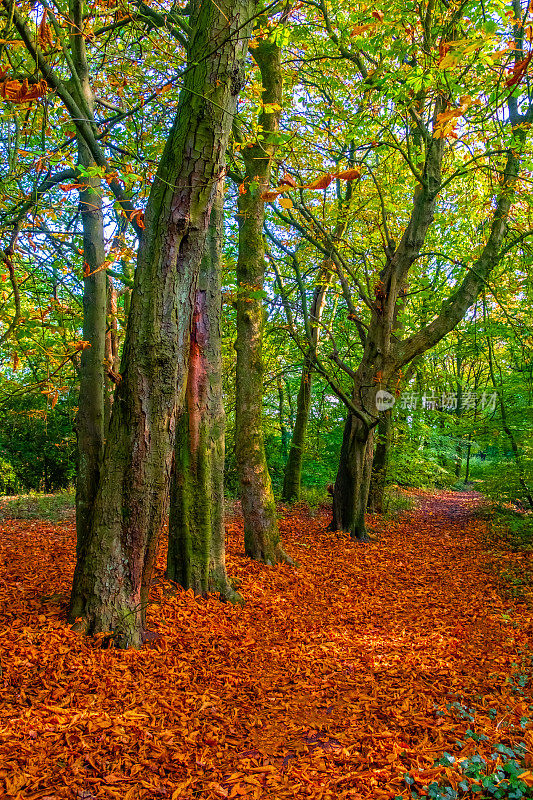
261	532
292	478
196	545
113	573
284	434
90	419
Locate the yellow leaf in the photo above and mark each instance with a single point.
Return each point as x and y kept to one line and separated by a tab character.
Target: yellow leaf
269	108
285	202
363	28
321	183
449	61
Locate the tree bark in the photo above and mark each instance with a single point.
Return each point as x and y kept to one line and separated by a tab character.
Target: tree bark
458	415
111	361
113	574
261	532
196	546
380	462
284	434
90	419
468	451
353	480
293	470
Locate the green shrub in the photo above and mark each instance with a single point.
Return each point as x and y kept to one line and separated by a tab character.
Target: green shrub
9	483
53	507
498	479
315	496
410	466
395	503
510	525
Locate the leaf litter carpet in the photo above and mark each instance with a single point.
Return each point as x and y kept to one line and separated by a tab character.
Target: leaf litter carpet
335	680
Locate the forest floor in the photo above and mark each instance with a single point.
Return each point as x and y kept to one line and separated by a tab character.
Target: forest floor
346	677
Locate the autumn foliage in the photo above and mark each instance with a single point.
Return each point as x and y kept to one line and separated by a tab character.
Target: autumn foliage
338	679
21	91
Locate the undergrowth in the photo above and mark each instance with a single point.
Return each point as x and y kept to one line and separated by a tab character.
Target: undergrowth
510	525
505	773
52	507
396	503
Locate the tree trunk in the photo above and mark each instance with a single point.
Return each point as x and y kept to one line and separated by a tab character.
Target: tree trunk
468	451
90	419
261	532
284	434
113	574
111	350
196	544
458	414
353	480
293	470
379	464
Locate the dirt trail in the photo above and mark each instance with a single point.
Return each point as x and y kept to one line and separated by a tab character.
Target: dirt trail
336	678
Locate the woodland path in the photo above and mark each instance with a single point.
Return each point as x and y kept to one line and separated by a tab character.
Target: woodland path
335	680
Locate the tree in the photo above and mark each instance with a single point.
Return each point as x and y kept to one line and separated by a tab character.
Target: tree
195	556
78	96
113	573
91	418
426	105
261	532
